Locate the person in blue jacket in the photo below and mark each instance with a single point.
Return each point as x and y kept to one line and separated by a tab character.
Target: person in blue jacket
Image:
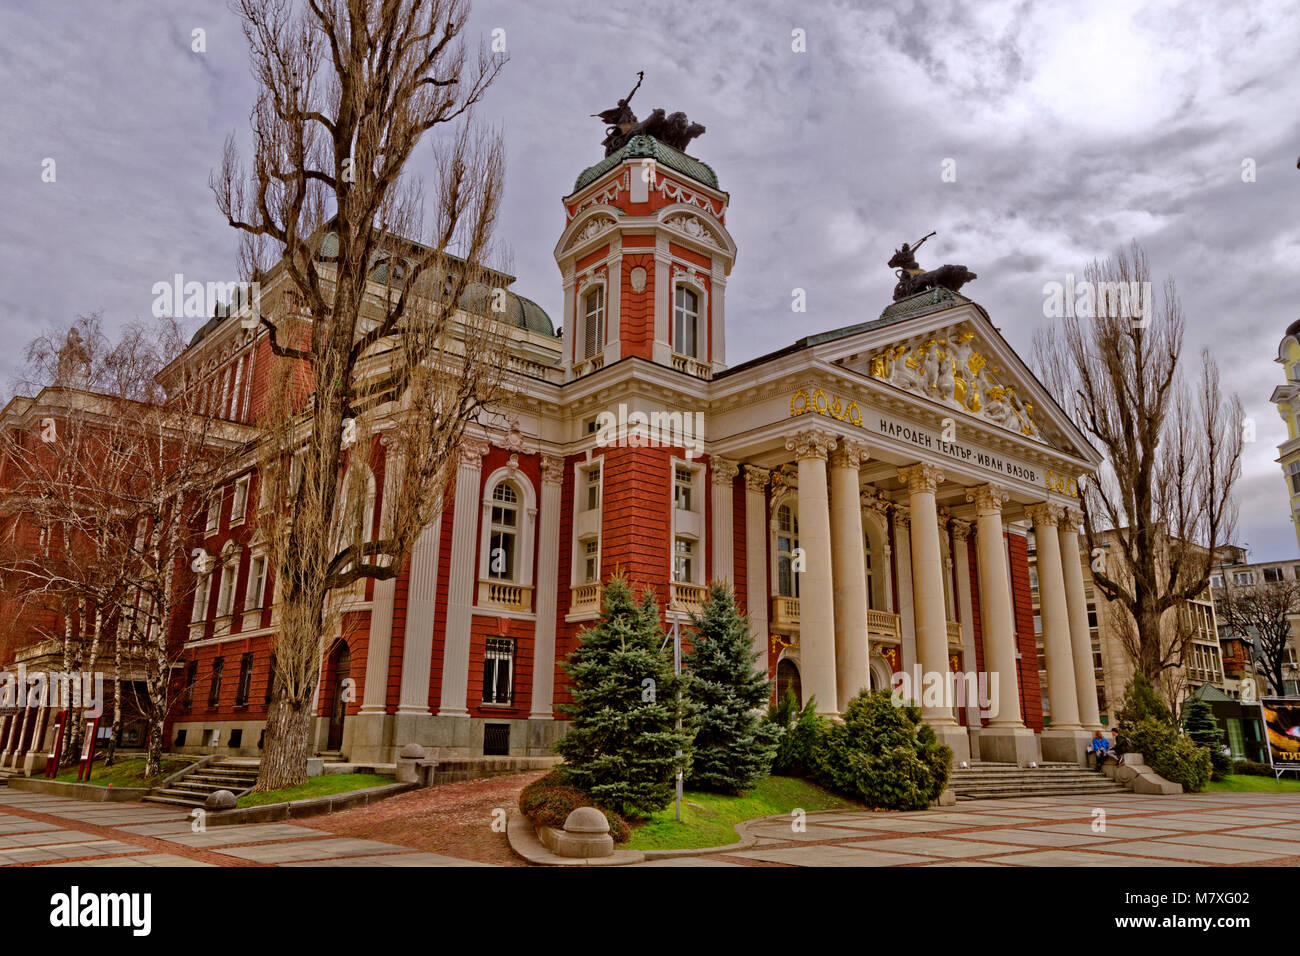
1100	748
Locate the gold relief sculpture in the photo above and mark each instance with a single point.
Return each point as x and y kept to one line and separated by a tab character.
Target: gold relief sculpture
819	403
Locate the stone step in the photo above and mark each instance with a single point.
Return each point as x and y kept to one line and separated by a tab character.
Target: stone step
171	799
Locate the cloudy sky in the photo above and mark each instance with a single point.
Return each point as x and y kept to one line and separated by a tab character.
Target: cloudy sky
1072	133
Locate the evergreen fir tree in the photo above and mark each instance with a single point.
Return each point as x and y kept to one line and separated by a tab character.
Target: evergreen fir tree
1204	730
622	743
1141	702
733	746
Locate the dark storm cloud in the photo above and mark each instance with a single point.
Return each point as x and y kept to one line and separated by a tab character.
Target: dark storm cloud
1074	128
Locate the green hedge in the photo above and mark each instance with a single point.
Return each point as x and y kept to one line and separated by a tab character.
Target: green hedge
1172	756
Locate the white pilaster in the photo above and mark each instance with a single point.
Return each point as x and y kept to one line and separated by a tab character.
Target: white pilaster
421	602
723	531
1077	608
543	695
460	583
756	536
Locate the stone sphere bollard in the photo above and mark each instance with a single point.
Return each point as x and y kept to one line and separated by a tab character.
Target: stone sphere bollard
220	800
407	760
586	834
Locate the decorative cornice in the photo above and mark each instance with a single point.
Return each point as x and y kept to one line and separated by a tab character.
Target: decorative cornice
811	443
988	499
552	470
1044	514
723	470
849	453
756	478
922	478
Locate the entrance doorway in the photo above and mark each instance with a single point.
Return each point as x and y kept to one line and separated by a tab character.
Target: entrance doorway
787	678
341	669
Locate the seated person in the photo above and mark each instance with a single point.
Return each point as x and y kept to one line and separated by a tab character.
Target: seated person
1099	747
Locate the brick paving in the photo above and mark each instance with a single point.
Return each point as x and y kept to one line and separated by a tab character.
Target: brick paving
1246	829
451	826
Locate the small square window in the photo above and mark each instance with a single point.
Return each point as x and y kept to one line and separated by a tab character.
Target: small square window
592	500
591	561
684	561
683	489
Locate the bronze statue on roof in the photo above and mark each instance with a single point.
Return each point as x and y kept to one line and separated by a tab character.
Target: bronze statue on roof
672	129
913	279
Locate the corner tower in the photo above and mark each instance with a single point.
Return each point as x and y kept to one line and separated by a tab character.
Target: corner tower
645	255
1287	399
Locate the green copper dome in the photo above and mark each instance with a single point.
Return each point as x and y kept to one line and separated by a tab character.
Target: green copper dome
647	147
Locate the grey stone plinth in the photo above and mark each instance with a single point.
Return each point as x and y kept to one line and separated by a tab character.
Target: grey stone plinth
1017	745
409	761
220	800
1065	746
958	740
585	835
315	766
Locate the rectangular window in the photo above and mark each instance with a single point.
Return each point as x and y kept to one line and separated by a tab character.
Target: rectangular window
498	670
1033	579
686	316
591	561
270	679
684	561
214	690
214	513
1244	577
1092	617
201	592
240	505
1272	575
683	488
191	678
245	678
226	593
593	321
1293	472
256	582
592	477
235	392
1216	580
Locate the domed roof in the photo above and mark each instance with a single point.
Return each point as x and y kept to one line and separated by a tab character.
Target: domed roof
524	313
647	147
1294	329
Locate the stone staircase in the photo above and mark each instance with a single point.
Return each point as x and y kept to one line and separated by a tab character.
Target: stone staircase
990	781
193	789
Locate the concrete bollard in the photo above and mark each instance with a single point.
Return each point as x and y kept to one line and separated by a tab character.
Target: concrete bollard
408	759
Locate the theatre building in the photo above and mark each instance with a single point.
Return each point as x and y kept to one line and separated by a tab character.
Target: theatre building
866	490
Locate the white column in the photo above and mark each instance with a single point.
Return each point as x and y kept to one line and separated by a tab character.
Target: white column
1077	609
756	536
966	611
723	532
1055	617
375	694
548	566
460	583
852	673
996	622
921	481
816	594
906	610
421	602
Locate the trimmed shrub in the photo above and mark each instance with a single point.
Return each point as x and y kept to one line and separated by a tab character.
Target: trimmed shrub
1171	755
1252	769
799	733
882	755
549	801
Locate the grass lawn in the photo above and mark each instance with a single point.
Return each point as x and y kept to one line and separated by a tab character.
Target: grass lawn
708	818
322	786
1248	783
127	772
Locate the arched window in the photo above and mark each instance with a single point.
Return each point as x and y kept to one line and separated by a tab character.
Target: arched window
686	319
503	563
593	322
787	541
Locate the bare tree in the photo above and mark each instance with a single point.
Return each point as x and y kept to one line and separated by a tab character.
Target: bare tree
1263	613
383	330
109	480
1172	452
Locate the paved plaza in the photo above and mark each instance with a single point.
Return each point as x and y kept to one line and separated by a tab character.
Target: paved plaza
1246	829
